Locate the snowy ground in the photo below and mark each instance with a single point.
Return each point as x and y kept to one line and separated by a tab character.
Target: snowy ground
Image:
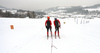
29	36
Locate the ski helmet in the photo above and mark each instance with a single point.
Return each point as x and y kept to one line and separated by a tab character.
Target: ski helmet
55	18
48	17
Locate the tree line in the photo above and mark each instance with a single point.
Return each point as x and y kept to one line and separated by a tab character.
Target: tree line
18	14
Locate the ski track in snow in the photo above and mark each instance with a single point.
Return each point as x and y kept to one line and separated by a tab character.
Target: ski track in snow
29	36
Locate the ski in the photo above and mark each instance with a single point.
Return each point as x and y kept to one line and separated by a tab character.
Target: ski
52	37
48	37
58	37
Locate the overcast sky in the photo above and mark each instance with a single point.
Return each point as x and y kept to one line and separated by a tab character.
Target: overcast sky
43	4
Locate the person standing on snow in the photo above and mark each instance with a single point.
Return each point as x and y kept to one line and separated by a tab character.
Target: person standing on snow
57	25
48	26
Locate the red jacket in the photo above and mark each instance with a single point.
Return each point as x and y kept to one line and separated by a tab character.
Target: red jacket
58	22
46	23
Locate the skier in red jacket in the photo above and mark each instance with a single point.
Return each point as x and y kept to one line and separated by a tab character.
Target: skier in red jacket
48	26
57	25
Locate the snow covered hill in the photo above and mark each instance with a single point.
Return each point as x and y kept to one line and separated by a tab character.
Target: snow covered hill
72	9
29	36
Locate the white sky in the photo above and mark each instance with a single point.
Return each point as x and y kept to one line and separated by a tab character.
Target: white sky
43	4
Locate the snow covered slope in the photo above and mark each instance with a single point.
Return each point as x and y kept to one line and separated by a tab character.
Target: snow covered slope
29	36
